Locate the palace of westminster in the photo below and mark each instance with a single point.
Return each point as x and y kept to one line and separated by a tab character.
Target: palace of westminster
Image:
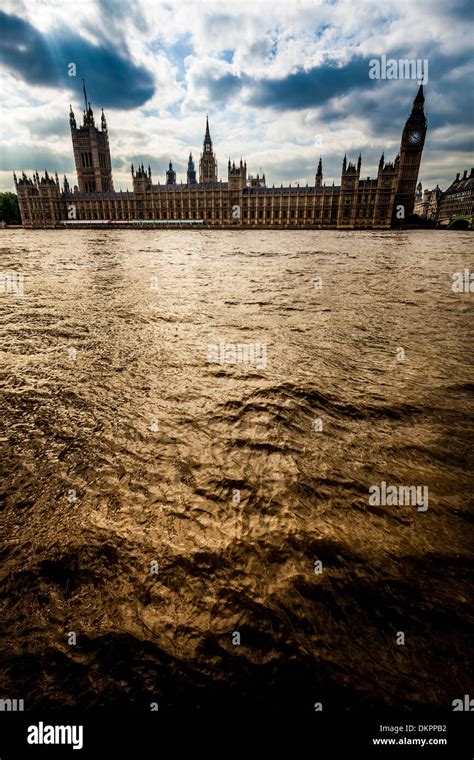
244	201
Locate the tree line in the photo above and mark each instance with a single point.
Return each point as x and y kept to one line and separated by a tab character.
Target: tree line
9	209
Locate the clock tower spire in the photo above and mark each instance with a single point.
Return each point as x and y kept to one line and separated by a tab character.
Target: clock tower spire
208	163
411	148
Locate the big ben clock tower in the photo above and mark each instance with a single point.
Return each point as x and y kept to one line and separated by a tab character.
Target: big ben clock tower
411	148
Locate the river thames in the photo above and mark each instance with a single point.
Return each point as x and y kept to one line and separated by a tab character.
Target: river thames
192	423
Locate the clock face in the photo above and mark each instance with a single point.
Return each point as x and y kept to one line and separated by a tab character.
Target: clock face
414	138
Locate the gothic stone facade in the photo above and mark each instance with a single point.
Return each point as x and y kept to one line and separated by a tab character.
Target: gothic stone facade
427	202
458	200
243	201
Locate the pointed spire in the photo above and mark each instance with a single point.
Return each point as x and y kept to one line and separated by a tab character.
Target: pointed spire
419	101
344	163
359	162
170	175
72	118
85	93
319	173
191	172
207	138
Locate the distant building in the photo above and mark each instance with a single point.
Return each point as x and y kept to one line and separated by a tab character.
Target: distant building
458	199
242	200
208	163
427	202
170	175
191	173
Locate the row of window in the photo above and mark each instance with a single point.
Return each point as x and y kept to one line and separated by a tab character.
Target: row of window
86	159
38	215
456	203
119	214
90	186
172	216
87	162
200	213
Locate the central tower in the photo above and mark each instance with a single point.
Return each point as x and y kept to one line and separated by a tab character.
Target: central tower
208	163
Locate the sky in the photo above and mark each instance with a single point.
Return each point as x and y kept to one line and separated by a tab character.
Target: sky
283	83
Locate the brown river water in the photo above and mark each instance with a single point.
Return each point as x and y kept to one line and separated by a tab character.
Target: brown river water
202	530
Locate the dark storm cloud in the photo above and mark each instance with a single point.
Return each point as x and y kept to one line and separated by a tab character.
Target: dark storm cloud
384	103
462	9
42	59
453	144
299	90
29	158
312	88
319	86
48	127
222	88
